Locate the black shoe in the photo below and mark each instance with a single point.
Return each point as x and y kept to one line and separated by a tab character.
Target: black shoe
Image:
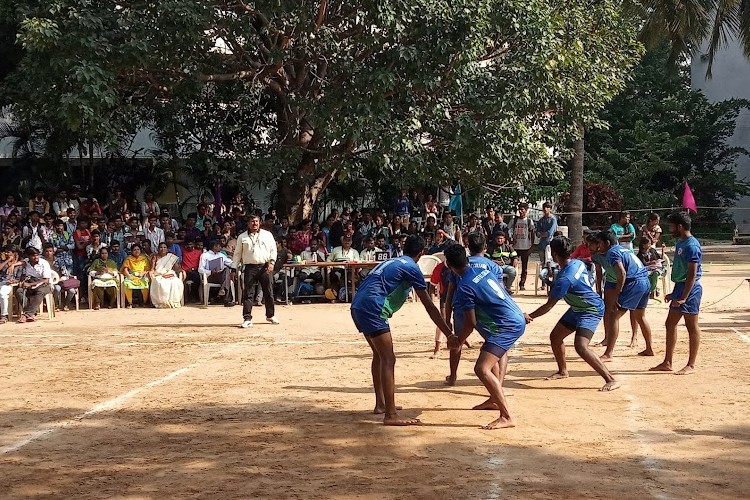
229	304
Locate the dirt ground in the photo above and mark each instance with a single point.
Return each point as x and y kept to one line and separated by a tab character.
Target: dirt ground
183	404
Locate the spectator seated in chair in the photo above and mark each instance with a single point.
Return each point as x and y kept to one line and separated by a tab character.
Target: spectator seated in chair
66	289
9	262
216	266
167	289
653	262
312	254
36	274
104	282
136	271
505	256
191	258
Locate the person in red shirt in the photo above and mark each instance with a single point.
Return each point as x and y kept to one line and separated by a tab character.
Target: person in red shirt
191	258
90	206
583	254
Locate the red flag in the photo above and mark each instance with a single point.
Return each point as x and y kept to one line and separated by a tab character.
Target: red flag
688	200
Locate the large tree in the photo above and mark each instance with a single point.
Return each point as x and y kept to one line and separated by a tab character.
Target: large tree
423	90
662	133
688	25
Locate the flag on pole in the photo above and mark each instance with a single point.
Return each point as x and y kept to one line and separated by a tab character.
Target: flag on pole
688	200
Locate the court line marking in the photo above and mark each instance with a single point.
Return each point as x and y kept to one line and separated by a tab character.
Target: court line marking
741	335
111	404
99	408
648	461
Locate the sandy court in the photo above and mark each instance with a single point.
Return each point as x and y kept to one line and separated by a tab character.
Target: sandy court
179	404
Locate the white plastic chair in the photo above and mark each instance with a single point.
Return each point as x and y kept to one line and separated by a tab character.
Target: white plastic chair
427	264
49	299
666	282
439	255
118	288
206	289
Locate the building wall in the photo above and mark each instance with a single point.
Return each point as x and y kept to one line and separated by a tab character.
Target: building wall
731	79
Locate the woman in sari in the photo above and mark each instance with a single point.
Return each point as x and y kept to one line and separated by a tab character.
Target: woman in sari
167	288
135	268
103	273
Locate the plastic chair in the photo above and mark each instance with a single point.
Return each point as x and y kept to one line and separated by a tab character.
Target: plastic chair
439	255
427	264
49	299
118	278
666	282
206	289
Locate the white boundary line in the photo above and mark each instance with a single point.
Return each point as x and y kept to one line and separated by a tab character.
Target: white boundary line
99	408
648	460
741	335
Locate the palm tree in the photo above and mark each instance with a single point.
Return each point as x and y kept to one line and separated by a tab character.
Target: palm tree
686	25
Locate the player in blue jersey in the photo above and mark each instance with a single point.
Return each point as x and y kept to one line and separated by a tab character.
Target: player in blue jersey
480	301
584	315
477	247
383	291
685	299
631	291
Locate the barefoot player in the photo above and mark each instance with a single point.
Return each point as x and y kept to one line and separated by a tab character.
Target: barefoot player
630	292
477	246
686	296
383	291
586	310
481	302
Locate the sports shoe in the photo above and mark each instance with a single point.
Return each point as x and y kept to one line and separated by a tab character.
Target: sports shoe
273	320
247	323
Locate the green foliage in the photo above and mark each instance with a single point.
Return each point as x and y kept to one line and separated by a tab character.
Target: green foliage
661	134
306	91
687	26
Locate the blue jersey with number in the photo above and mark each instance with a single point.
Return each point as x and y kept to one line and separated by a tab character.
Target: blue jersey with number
572	285
482	263
633	266
387	286
496	312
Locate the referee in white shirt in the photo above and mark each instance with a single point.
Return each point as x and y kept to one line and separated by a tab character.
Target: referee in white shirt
255	256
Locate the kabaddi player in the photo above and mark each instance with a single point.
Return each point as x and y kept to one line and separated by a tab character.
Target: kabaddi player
477	247
586	310
686	296
604	276
383	291
630	292
480	301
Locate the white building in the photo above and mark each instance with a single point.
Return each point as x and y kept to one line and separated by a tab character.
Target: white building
731	79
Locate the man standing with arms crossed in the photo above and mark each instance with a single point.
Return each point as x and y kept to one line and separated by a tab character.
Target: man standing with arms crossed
522	238
686	297
255	256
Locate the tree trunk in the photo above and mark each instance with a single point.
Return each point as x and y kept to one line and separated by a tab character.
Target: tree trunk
299	192
575	219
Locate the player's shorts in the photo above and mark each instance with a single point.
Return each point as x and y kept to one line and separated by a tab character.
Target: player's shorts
608	285
502	342
583	323
634	294
693	304
370	323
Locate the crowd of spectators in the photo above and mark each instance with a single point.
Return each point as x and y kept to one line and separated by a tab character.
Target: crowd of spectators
159	260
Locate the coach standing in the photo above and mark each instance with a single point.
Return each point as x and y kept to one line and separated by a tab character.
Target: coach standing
255	256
